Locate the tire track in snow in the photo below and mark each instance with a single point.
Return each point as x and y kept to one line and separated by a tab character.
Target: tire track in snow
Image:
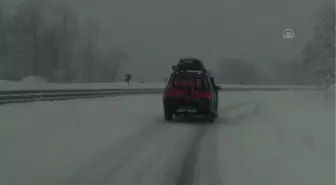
108	163
187	174
148	167
208	170
183	157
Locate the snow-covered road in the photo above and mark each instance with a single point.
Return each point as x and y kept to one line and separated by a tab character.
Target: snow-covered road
261	138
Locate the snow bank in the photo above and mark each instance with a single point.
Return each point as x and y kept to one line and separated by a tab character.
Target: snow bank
294	87
33	80
330	92
43	86
36	83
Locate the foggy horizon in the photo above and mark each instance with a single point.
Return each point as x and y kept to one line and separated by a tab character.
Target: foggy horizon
158	33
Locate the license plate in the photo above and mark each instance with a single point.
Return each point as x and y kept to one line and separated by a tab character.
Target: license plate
186	109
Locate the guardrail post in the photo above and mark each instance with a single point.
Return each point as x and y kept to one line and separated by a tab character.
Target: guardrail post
40	96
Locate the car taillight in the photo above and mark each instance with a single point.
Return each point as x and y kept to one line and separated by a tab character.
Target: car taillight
202	94
173	93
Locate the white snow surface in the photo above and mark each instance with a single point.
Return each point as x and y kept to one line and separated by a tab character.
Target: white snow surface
291	141
261	138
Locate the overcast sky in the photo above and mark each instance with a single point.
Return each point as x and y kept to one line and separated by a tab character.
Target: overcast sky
159	31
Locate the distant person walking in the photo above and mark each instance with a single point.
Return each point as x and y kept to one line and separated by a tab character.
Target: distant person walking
128	78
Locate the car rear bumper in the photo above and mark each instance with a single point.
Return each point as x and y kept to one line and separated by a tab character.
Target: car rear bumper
192	106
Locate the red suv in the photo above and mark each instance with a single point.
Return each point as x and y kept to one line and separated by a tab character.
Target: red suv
190	92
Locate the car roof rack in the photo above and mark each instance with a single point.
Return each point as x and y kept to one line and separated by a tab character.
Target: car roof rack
189	65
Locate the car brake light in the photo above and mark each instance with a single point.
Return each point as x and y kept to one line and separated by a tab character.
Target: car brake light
202	94
173	93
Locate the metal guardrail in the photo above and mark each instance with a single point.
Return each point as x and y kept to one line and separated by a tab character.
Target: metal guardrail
21	96
269	89
17	96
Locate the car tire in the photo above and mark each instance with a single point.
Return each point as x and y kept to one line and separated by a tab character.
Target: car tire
168	114
211	118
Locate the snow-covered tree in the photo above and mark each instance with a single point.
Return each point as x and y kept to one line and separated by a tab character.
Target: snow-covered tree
319	55
4	50
68	32
46	39
27	25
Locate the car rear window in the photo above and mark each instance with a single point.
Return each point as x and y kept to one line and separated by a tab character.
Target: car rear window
187	81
